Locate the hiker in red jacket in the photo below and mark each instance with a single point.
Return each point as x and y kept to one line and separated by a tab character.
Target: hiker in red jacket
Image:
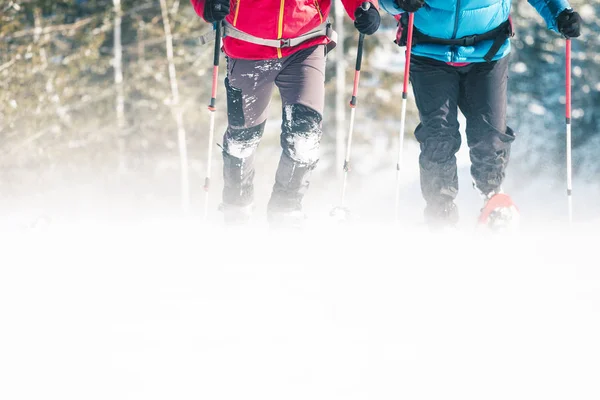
272	43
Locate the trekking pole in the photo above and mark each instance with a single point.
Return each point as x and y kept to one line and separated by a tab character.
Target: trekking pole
568	122
403	110
341	212
212	108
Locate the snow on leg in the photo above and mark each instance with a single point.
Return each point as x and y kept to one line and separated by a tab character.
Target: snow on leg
239	146
300	140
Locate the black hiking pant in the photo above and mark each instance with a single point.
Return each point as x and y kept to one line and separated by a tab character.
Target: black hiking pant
480	91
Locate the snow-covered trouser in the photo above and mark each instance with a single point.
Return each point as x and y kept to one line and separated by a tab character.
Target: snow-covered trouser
480	91
300	79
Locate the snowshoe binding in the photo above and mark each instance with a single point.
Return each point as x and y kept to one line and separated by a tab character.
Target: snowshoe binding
499	213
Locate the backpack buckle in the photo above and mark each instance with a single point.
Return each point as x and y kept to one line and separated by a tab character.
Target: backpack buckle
469	40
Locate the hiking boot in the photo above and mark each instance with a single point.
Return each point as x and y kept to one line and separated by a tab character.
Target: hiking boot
441	215
285	209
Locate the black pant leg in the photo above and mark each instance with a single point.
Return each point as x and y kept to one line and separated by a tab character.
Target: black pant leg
483	102
436	88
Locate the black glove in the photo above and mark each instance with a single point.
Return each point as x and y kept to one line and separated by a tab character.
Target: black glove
215	10
410	5
569	23
367	21
402	32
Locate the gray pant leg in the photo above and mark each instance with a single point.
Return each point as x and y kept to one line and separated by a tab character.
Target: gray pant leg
249	85
301	83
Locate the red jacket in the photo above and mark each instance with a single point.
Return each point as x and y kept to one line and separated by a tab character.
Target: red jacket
276	19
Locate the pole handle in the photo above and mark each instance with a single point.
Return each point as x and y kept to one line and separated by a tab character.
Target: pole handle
217	43
359	52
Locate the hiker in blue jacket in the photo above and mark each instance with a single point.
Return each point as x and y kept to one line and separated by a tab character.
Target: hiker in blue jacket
459	60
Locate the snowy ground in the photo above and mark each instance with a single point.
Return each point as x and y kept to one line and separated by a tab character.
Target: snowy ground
167	309
112	295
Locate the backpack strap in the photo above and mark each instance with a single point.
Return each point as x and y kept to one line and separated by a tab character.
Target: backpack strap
498	35
325	29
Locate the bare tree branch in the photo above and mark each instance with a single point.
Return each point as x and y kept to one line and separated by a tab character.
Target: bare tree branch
49	29
7	65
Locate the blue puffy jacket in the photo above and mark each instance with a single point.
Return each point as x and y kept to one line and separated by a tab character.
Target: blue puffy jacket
450	19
